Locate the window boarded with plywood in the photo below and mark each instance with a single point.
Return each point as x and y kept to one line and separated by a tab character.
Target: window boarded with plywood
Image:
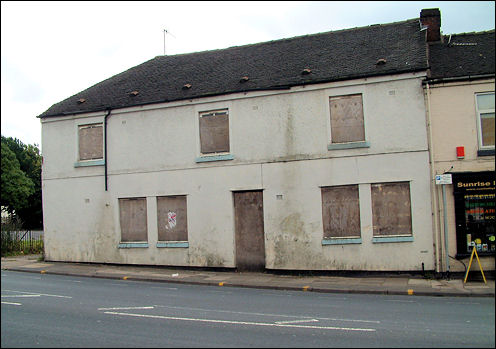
172	218
347	119
341	211
90	142
133	219
214	132
391	211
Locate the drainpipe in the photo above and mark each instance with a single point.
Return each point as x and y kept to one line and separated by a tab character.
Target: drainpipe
109	110
433	186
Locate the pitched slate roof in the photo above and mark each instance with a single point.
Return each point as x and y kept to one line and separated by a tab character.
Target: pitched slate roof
330	56
462	55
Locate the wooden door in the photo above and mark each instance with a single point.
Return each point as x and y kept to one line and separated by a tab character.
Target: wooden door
249	230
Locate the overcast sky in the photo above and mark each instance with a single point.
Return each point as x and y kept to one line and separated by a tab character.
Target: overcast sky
52	50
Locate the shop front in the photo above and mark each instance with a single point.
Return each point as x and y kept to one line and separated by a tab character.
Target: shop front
475	207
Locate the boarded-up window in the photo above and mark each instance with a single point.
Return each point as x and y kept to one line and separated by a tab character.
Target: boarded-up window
133	219
347	119
214	132
391	213
172	218
91	142
341	211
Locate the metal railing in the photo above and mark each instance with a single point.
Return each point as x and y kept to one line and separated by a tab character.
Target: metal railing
21	242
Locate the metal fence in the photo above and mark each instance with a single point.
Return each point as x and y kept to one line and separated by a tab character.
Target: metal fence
26	242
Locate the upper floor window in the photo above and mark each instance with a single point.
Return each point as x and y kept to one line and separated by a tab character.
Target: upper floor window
485	119
90	142
214	132
347	123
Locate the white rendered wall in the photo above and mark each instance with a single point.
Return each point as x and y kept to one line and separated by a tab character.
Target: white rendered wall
279	142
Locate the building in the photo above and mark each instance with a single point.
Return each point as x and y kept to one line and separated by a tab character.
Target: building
460	97
308	153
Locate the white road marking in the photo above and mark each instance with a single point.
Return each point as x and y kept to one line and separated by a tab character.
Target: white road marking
267	314
165	288
464	303
242	322
41	294
295	321
333	298
10	303
350	320
223	292
125	308
277	295
21	295
401	301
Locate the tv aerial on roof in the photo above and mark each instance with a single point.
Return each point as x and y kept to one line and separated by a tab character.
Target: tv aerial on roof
167	32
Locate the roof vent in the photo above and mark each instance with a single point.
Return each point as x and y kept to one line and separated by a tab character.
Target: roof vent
81	100
134	93
244	79
186	86
306	71
381	61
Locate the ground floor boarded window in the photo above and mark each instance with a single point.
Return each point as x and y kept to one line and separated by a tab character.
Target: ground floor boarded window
391	211
133	220
341	212
172	218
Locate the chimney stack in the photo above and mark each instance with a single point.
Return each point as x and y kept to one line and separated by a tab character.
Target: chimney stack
431	18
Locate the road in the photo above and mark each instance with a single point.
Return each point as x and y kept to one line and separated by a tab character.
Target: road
40	310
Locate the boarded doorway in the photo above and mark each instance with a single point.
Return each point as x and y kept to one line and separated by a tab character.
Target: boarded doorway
249	230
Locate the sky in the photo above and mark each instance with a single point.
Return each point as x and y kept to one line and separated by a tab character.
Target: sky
53	50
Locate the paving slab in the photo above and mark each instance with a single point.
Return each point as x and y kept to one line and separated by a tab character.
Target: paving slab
393	285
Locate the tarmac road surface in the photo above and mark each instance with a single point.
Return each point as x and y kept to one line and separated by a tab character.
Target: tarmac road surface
70	311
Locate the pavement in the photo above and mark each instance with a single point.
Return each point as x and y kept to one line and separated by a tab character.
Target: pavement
412	285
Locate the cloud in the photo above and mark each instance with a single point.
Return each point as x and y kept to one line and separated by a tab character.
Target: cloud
22	87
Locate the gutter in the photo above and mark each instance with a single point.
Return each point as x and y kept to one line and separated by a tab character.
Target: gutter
459	78
109	110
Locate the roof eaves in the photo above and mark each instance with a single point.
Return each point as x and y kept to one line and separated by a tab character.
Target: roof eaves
254	89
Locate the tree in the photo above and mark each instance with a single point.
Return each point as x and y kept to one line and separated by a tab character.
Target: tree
16	186
26	159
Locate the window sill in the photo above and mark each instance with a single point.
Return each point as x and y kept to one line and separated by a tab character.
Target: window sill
133	245
485	152
174	244
89	163
207	158
351	145
343	241
392	239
